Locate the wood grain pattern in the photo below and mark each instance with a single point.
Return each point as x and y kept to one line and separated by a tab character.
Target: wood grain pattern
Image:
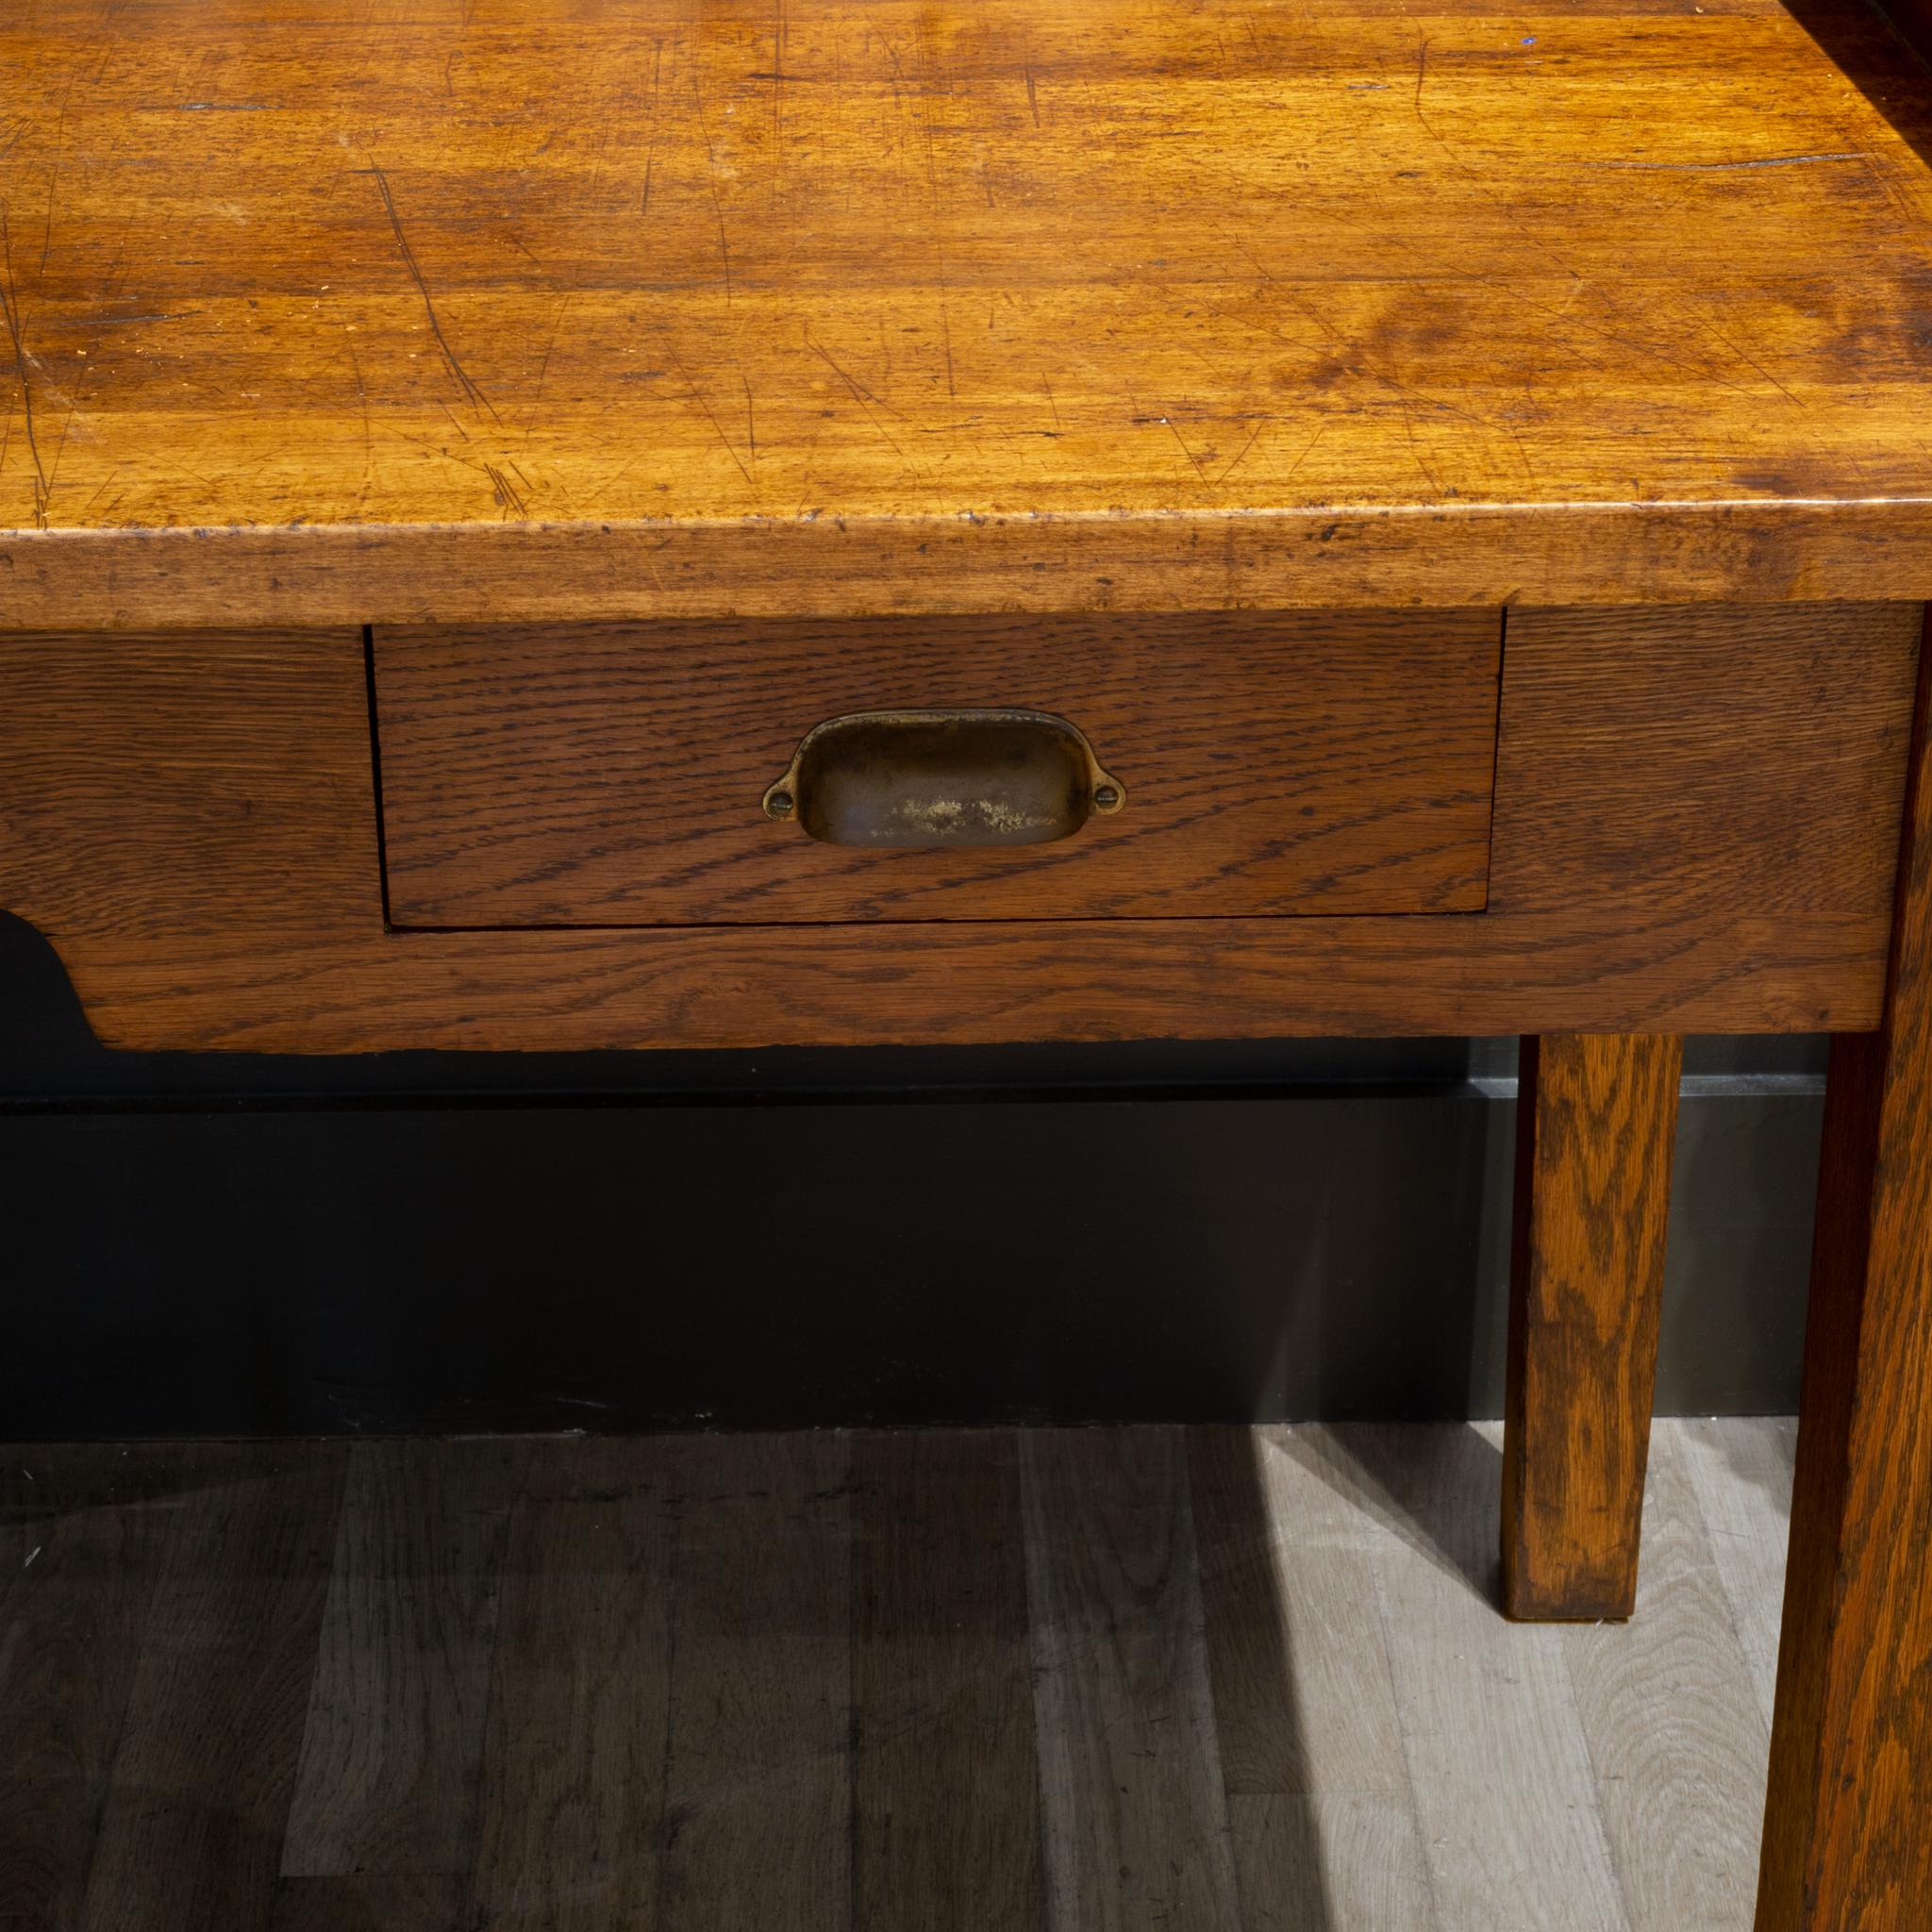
396	313
1676	1746
941	1688
1742	1479
1071	979
1845	1844
572	1770
189	821
1751	755
759	1747
369	1904
612	775
218	783
1130	1778
81	1543
218	1697
394	1738
1596	1131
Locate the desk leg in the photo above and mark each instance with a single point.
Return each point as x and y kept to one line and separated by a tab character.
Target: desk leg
1848	1820
1595	1126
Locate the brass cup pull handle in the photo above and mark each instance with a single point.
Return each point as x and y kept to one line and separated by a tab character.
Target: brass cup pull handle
951	778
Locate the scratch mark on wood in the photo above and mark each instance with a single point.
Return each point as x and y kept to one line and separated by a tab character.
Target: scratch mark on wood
1414	447
1032	93
54	176
47	225
1240	454
651	142
1294	468
930	87
1635	336
10	306
106	484
859	391
697	395
362	399
1744	355
1725	167
1522	454
860	394
1167	423
779	38
73	407
1422	70
711	182
507	494
461	376
543	367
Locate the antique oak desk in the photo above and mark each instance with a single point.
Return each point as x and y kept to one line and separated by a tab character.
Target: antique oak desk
1414	518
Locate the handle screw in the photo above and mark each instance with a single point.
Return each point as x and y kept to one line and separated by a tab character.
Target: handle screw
779	803
1106	797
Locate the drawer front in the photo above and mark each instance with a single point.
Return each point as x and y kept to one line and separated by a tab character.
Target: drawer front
614	774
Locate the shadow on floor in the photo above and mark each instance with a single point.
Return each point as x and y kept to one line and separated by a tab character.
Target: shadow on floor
958	1679
1446	1506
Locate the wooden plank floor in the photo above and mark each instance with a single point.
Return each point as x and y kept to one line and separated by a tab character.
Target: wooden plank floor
1107	1679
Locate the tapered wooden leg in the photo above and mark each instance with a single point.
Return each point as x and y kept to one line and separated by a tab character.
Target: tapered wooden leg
1596	1121
1848	1818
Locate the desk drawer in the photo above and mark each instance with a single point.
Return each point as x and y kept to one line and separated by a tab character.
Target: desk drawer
614	774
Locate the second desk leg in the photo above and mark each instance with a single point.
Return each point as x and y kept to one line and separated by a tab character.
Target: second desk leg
1597	1123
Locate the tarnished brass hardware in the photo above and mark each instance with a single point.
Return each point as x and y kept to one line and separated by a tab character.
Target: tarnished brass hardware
943	778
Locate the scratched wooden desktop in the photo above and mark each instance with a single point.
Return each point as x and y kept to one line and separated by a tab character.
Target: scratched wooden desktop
1466	480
